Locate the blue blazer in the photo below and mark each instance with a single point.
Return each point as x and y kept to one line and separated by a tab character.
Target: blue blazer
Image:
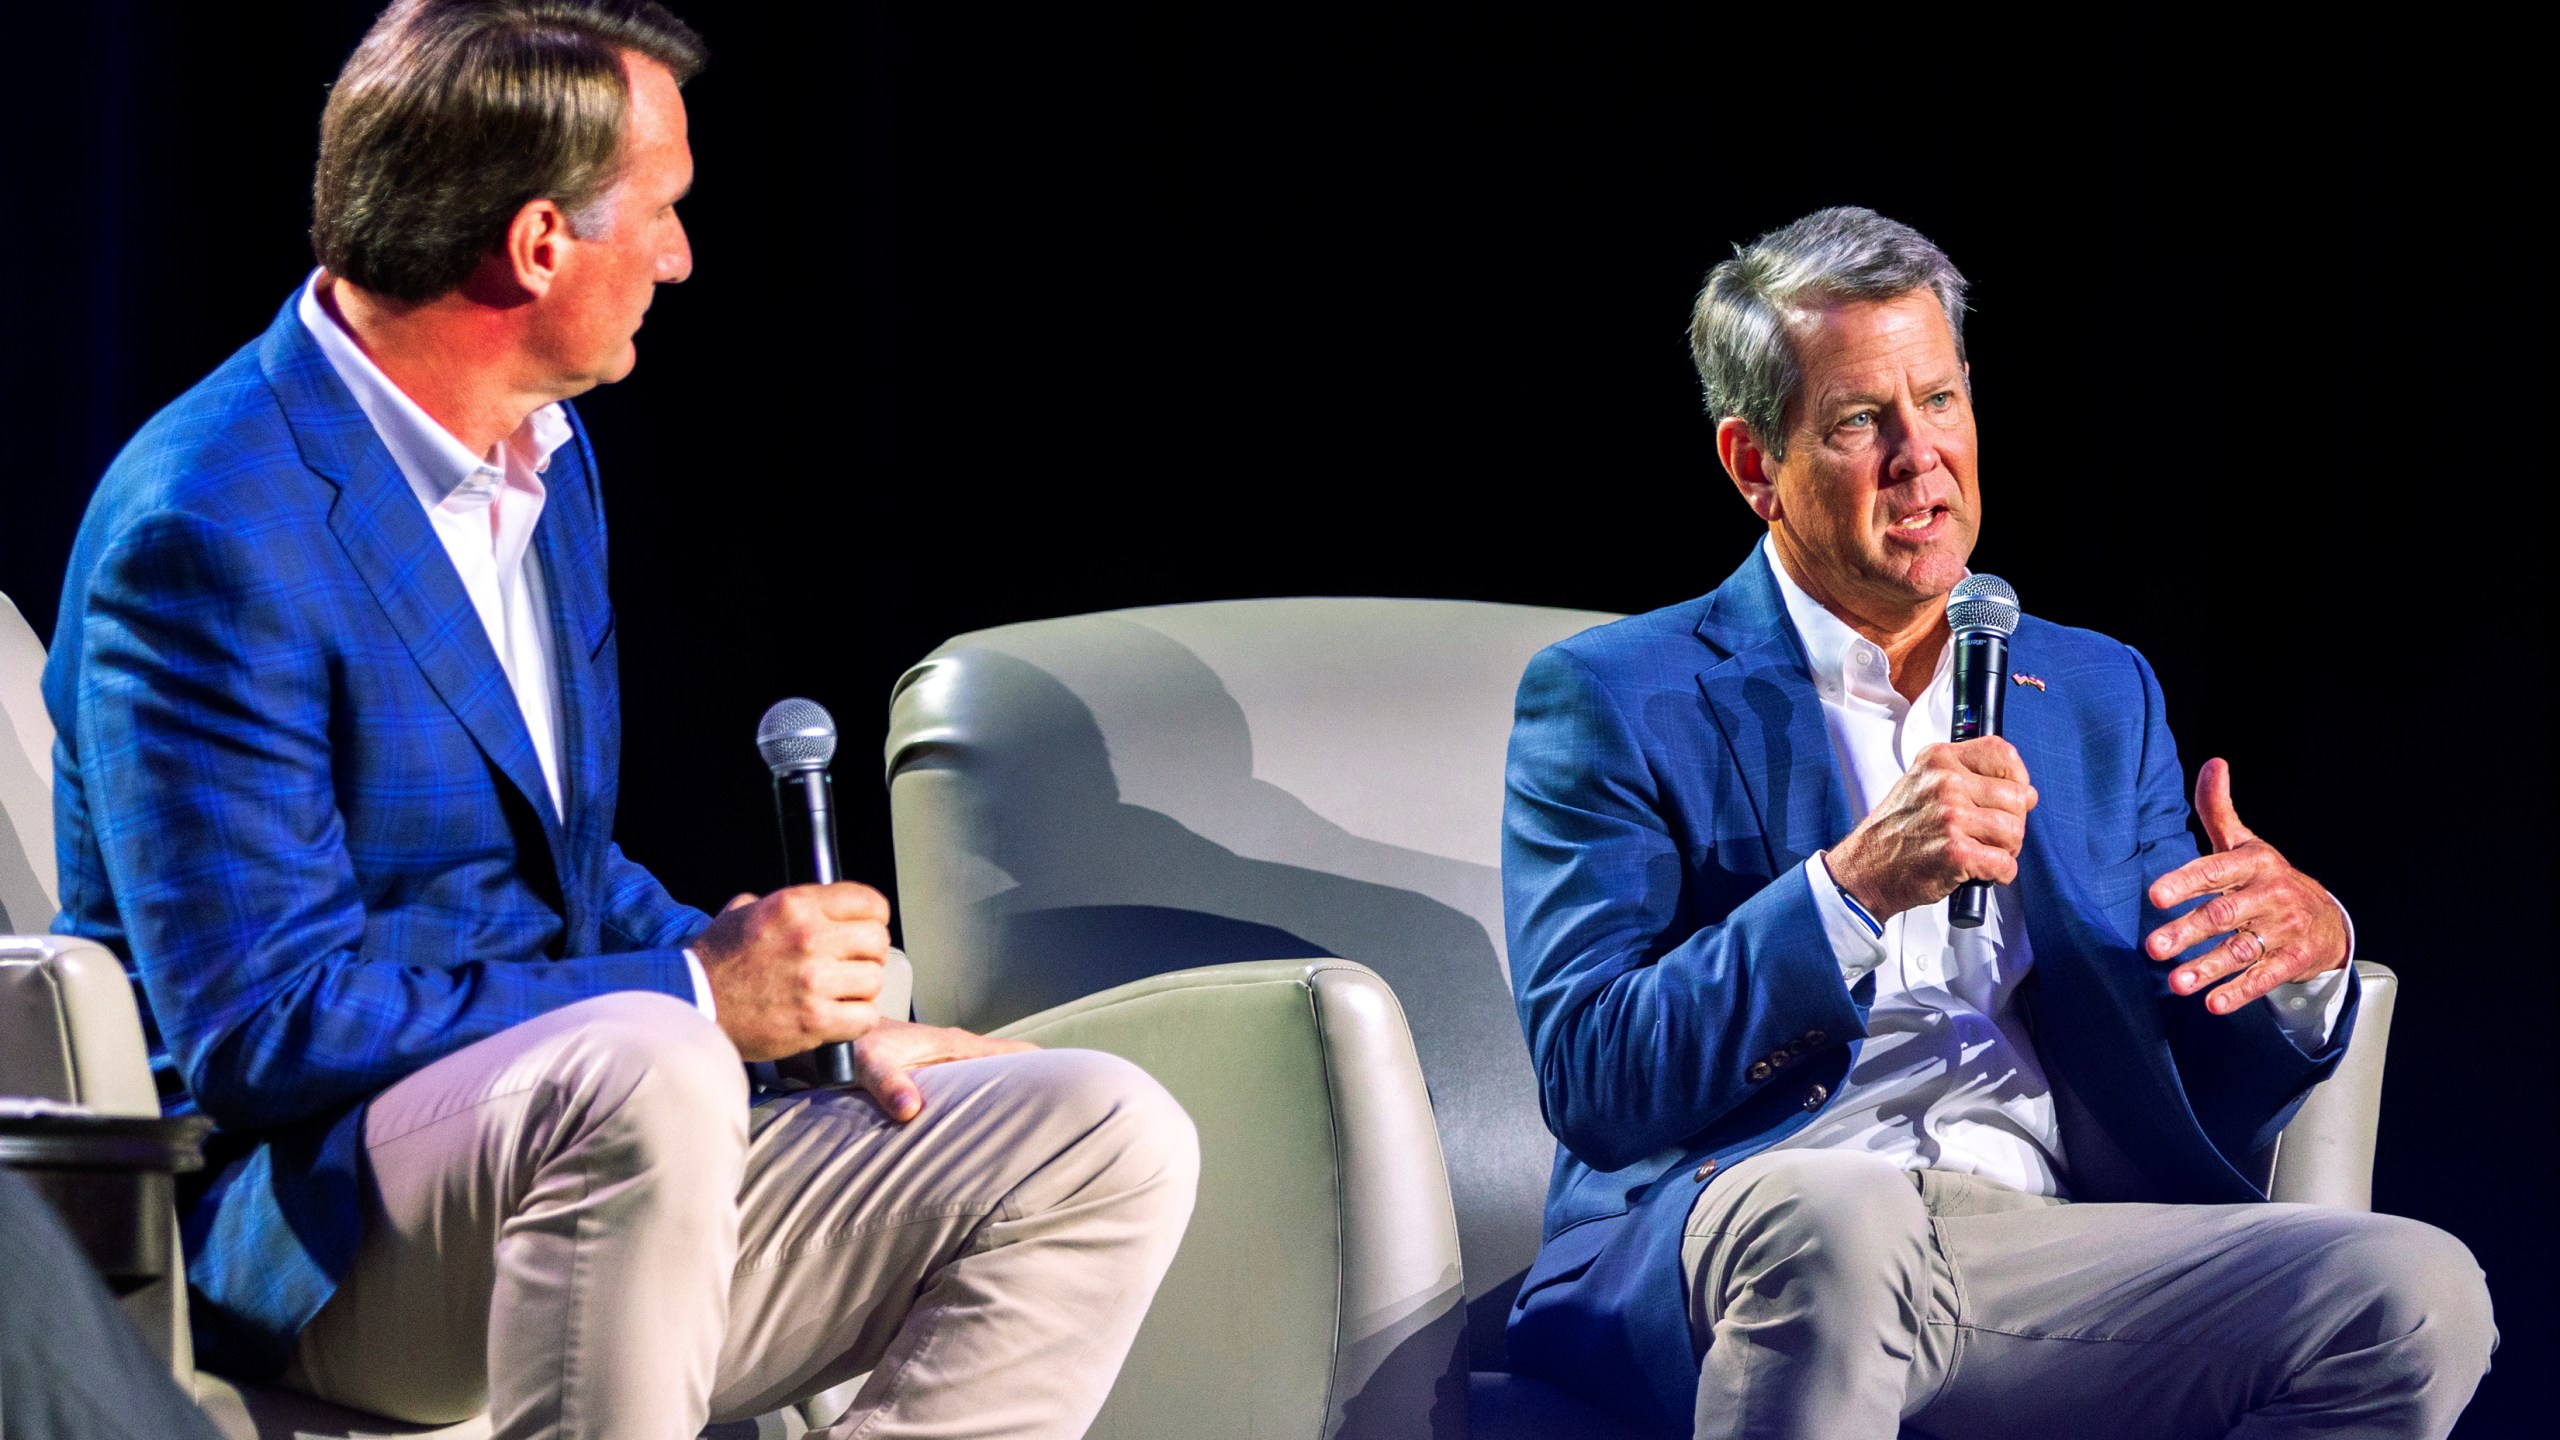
1669	775
292	788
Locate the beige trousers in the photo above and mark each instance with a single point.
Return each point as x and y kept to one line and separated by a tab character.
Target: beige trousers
1839	1296
580	1225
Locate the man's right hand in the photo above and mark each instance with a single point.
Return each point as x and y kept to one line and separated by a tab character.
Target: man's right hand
1959	813
798	968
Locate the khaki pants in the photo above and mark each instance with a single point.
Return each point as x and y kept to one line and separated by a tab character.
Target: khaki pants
1839	1296
581	1226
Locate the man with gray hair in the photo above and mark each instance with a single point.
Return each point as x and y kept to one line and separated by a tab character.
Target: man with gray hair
1833	1161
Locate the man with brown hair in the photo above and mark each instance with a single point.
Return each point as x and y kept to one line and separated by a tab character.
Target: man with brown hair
335	687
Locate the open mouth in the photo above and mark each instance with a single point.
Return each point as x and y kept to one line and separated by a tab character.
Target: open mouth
1924	524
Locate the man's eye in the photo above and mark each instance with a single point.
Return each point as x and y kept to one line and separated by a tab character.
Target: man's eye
1859	421
1942	400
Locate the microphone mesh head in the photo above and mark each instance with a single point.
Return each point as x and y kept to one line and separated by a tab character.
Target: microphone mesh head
796	735
1983	602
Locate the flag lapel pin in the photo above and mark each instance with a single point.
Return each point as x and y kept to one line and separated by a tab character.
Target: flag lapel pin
2023	678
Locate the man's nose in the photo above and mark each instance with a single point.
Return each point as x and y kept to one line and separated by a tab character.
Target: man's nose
675	262
1915	450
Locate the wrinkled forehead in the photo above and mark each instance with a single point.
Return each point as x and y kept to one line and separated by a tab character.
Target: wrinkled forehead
1848	345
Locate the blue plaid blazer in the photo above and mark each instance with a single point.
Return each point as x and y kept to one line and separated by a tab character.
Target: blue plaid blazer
1669	775
294	791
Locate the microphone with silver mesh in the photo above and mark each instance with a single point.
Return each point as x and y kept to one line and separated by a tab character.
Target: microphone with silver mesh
1983	613
797	739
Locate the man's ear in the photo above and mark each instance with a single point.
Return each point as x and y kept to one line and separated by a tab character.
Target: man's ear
1750	467
533	245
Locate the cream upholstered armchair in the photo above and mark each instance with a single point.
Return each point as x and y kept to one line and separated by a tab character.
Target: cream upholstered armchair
1269	789
70	1031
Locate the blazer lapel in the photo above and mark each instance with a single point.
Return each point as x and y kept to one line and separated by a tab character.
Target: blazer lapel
565	542
387	539
2096	1004
2054	905
1762	698
2080	926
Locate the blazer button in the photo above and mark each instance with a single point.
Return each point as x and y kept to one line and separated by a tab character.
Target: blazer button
1758	1072
1814	1097
1704	1171
1814	1037
1779	1057
1799	1047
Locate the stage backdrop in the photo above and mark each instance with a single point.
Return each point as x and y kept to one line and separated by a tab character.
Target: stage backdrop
1002	316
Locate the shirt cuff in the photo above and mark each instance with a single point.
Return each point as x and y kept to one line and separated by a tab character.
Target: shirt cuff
1857	937
701	986
2309	1009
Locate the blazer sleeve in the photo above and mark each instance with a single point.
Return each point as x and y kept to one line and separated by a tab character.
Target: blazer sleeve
2244	1076
639	913
1643	1022
204	731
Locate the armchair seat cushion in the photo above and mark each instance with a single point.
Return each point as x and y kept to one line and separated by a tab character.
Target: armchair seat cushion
255	1412
1318	1289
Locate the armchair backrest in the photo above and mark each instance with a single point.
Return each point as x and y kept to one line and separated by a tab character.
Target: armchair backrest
27	893
1087	801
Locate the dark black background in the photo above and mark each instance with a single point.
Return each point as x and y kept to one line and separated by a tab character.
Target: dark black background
1003	315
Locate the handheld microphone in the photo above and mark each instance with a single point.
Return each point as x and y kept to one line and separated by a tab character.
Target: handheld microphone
797	739
1982	612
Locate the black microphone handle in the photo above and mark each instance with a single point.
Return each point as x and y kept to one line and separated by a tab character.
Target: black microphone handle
1982	658
804	801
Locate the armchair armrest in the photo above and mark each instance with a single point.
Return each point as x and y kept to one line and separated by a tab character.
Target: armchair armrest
897	1000
69	1029
2325	1157
1318	1291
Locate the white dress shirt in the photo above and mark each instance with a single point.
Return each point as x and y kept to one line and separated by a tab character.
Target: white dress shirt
483	509
1948	1078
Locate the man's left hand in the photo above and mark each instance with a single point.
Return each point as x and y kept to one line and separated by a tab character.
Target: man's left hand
2278	923
883	1058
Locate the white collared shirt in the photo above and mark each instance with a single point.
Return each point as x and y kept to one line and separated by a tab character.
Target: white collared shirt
483	509
1948	1078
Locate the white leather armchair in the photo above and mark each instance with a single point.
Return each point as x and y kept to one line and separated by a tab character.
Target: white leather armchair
1088	801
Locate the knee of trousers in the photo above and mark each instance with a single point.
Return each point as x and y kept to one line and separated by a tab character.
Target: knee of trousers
2406	1286
1850	1229
1140	1136
644	1078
